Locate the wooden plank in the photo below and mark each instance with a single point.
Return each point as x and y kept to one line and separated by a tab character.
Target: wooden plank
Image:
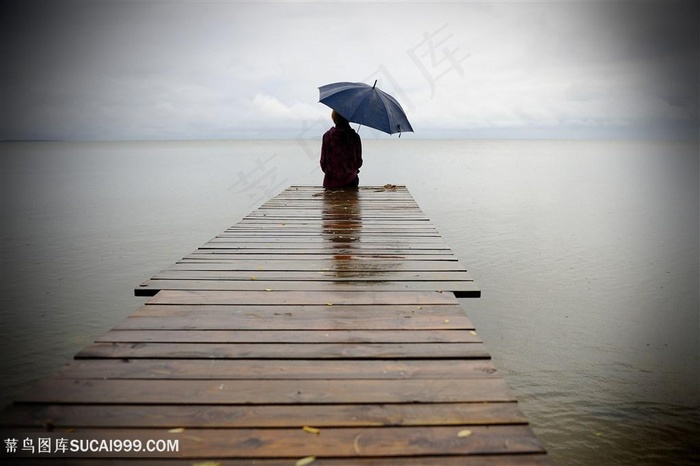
267	230
369	226
279	297
339	213
330	248
369	441
318	266
346	208
285	350
313	232
345	203
218	243
376	227
348	442
349	201
299	189
376	223
176	304
226	256
223	317
341	201
352	203
342	207
150	287
338	208
327	221
336	442
323	238
373	222
234	416
331	217
287	322
263	369
196	392
393	335
268	235
338	248
521	459
346	273
315	193
341	253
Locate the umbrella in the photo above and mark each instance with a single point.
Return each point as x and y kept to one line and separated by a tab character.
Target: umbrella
366	105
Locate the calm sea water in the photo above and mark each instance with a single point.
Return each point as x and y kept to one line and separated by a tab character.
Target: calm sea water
586	252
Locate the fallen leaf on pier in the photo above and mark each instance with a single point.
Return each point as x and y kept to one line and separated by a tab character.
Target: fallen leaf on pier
329	304
207	463
179	430
253	277
464	433
311	430
268	289
305	461
356	444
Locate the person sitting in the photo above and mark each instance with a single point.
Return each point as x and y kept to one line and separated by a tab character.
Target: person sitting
341	155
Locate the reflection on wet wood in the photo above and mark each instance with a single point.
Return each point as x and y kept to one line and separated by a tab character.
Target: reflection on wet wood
324	326
310	239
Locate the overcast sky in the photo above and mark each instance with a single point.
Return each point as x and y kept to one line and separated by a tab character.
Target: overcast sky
225	70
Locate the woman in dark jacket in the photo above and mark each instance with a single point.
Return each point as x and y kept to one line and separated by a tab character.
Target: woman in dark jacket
341	155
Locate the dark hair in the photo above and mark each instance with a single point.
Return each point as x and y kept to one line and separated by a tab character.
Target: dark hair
339	120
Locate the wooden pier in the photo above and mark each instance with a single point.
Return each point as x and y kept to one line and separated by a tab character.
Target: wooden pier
322	329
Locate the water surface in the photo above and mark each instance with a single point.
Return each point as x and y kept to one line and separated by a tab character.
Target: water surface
586	253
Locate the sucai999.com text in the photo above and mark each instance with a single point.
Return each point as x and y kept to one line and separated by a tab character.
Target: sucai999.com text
62	446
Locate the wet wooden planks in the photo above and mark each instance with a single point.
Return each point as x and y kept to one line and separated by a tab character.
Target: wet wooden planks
314	240
333	336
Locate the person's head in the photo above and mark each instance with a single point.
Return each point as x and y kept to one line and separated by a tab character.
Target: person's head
339	120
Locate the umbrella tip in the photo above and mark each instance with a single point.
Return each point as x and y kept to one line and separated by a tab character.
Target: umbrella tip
374	85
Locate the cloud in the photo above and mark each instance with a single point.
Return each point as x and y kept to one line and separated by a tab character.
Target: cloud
268	107
101	70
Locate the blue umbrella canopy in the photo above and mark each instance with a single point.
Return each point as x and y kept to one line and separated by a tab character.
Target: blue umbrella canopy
366	105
